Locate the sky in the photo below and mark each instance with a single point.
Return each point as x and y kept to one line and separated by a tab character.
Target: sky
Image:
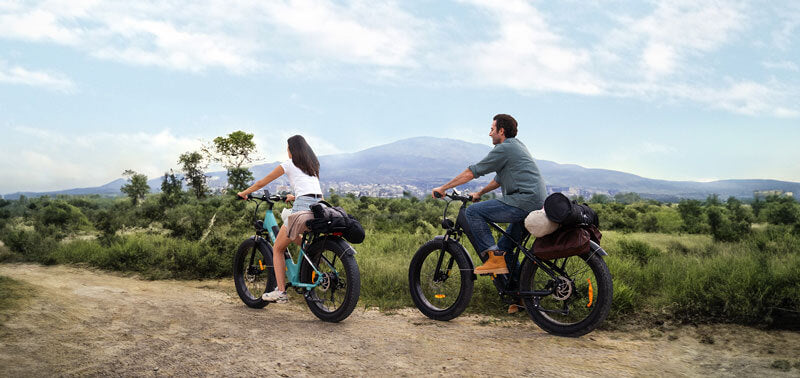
675	90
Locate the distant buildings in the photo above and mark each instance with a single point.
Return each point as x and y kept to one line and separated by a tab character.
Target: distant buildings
767	193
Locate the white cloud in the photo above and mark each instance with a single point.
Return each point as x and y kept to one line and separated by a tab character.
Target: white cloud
22	76
781	65
239	37
527	54
363	32
36	159
660	53
40	160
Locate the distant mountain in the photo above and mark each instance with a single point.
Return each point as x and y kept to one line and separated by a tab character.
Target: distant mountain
418	164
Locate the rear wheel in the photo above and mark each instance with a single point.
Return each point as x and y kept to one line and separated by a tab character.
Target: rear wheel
253	273
336	297
581	298
441	293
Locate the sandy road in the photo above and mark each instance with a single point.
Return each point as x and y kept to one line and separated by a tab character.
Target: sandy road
86	322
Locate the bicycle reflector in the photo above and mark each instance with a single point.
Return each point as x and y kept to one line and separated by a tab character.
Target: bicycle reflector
260	265
439	296
591	294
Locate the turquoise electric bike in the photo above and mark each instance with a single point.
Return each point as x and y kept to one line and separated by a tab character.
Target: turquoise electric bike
326	273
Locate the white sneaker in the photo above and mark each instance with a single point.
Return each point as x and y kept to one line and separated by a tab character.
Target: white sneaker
276	296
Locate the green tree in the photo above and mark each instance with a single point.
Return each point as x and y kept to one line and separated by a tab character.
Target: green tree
193	166
781	210
234	152
137	187
692	214
627	198
757	204
171	190
599	198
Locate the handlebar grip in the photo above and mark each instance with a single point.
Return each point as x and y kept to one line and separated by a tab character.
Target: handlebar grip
437	194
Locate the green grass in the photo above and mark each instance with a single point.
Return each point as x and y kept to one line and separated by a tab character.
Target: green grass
685	277
13	292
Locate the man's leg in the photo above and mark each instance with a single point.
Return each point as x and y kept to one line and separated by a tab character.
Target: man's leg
477	216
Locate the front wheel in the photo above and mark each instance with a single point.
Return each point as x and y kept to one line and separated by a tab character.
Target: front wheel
581	297
336	297
253	273
440	280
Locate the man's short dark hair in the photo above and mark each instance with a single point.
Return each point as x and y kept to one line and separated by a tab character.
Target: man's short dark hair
507	123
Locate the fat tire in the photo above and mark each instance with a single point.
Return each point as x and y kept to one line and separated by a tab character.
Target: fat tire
602	302
353	290
414	282
242	253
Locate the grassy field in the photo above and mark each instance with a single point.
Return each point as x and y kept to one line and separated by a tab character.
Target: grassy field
657	275
12	293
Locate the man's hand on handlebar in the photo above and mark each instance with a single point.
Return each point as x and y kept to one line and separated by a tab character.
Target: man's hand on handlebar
438	192
476	197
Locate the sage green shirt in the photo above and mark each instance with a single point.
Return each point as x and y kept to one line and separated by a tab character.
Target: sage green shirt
517	174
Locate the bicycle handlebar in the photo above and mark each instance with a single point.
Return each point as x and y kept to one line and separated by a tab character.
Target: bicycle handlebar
454	195
266	197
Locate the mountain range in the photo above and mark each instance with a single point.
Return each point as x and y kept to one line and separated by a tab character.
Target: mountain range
416	165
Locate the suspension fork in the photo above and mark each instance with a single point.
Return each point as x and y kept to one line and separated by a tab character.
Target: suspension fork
439	275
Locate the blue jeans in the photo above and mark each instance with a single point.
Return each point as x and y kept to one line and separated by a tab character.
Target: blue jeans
303	203
479	214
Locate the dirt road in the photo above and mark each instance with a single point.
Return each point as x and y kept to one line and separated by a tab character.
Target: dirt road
85	322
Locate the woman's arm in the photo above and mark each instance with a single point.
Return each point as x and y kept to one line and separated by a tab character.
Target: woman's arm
277	172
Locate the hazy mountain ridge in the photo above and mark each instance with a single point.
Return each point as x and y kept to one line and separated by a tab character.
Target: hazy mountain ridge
418	164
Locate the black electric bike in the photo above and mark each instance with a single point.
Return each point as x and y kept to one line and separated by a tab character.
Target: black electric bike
566	297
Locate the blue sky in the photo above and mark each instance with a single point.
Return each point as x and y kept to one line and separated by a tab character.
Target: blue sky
677	90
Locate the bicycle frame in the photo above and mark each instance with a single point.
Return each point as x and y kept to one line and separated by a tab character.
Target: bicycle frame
554	271
270	225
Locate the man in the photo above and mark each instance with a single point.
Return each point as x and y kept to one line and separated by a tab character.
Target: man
523	191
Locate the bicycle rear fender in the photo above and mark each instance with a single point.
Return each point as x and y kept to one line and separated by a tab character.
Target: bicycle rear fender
342	244
455	247
596	248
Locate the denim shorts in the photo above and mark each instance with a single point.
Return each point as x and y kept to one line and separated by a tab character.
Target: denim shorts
303	203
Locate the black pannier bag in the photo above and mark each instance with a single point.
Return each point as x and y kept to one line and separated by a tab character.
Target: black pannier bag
561	210
330	220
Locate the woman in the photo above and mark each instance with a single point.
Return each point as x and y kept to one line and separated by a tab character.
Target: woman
302	169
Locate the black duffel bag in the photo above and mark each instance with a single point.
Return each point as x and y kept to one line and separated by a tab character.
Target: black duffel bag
561	210
334	220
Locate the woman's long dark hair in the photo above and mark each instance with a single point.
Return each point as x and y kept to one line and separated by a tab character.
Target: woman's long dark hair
303	156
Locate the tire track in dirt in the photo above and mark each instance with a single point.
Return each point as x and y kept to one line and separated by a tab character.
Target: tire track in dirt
87	322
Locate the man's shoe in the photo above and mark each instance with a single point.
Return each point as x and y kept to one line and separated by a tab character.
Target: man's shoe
495	264
276	296
516	307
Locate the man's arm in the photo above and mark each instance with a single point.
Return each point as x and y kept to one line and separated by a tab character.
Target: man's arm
488	188
462	178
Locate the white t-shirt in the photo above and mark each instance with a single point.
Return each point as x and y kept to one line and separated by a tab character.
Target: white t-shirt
301	182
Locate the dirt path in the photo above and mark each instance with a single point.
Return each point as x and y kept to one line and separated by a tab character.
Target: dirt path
85	322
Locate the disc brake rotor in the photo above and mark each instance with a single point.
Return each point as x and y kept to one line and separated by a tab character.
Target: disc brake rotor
326	282
563	290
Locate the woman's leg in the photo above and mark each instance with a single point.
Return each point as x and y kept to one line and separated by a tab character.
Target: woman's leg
278	260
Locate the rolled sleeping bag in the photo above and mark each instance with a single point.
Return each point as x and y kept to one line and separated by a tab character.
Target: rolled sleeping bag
538	224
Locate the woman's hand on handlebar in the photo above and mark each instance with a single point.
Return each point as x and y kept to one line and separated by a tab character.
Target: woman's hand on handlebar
290	197
242	196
